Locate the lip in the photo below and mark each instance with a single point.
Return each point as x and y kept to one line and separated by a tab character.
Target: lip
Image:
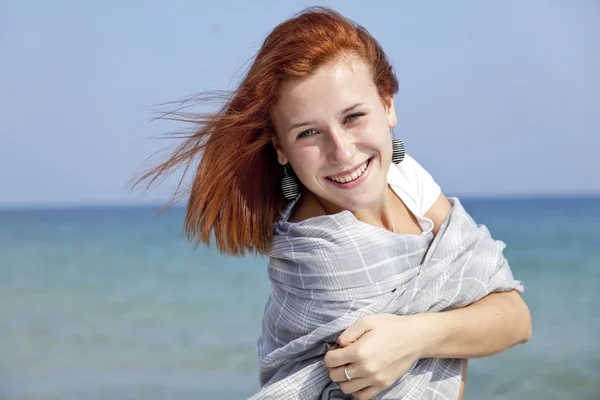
354	183
348	171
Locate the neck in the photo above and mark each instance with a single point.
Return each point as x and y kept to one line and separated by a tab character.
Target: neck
379	214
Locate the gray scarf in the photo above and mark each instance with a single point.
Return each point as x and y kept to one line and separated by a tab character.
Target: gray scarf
329	271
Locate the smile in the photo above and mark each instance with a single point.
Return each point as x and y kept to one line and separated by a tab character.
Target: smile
350	176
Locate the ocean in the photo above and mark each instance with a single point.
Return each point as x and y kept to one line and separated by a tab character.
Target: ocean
115	303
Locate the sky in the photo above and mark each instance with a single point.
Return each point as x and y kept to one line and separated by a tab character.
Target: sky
496	98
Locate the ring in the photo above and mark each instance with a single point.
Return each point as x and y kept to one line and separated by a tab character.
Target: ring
346	373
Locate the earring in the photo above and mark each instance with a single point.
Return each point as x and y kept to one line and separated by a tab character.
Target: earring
289	185
397	149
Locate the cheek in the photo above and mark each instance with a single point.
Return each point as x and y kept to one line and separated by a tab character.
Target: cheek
386	146
305	162
376	138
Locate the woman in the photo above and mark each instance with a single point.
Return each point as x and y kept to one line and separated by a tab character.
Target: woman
381	285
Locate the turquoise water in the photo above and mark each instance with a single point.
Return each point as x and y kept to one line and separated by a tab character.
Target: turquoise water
116	304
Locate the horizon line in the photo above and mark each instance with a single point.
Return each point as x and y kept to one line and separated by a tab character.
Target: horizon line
182	203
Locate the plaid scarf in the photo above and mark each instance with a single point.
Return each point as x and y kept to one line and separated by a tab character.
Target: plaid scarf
329	271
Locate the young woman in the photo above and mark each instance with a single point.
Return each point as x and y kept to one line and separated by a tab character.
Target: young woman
381	285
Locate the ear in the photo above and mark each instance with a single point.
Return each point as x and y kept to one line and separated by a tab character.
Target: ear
390	111
281	157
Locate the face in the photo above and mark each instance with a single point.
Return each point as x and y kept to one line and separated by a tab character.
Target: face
334	130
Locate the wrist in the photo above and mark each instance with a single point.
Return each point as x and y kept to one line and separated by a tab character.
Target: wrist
432	332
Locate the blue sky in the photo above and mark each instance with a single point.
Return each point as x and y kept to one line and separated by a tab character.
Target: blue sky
496	98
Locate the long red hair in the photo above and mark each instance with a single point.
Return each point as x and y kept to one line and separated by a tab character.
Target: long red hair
236	191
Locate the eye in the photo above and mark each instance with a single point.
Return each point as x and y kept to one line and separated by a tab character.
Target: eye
307	133
354	117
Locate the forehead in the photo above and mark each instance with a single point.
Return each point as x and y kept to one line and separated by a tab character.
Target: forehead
332	87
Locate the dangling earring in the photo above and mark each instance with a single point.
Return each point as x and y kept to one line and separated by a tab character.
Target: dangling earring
289	185
397	149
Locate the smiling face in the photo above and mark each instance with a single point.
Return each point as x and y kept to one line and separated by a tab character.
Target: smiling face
334	130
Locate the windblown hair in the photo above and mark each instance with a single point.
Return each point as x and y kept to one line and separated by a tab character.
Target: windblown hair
236	191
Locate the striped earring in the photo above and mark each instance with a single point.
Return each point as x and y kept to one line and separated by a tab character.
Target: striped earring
397	149
289	185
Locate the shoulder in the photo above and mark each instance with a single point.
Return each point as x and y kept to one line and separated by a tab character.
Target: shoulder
306	207
413	179
412	170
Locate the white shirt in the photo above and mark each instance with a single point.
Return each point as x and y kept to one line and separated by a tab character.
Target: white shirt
416	188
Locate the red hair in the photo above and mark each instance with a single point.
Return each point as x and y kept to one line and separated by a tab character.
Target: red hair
236	191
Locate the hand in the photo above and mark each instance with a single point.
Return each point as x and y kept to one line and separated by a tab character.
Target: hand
376	350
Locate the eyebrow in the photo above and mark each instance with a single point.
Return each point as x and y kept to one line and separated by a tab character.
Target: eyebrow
344	111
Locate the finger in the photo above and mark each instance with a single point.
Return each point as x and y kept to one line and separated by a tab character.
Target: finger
354	332
337	374
366	393
354	385
336	357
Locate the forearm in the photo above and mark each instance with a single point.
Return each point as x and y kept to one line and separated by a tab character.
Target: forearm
486	327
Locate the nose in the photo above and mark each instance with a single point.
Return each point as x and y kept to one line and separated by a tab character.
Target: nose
340	146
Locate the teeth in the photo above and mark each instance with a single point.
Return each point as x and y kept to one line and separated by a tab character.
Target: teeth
351	177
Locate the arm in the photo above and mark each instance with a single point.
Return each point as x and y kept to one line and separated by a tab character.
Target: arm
380	348
488	326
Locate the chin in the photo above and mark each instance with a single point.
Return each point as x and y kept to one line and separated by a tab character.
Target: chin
362	203
359	201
